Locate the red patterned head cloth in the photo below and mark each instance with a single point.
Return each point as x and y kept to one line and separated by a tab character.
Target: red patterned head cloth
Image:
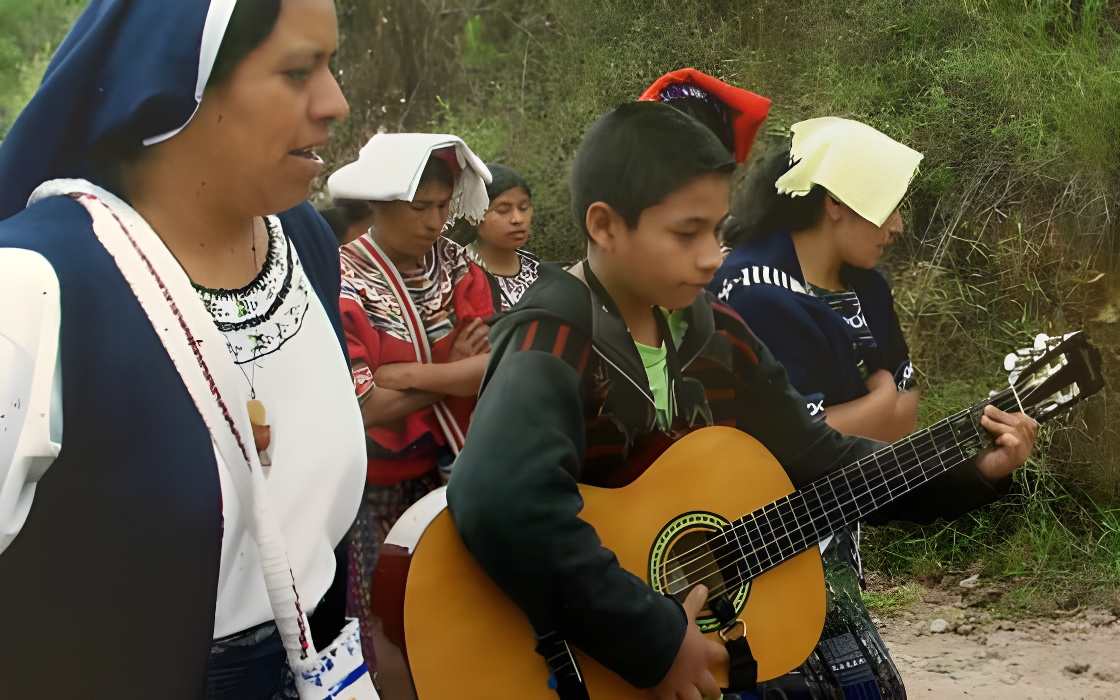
741	111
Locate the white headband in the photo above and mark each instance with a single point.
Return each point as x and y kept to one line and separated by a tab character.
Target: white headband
389	167
217	21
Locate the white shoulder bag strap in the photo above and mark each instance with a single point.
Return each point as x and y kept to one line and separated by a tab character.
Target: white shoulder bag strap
411	315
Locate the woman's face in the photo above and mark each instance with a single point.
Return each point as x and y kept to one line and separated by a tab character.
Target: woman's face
259	130
506	224
860	242
406	231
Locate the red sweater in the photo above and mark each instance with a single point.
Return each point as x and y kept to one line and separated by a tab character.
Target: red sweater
397	461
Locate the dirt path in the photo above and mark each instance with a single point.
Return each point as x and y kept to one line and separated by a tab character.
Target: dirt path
1074	656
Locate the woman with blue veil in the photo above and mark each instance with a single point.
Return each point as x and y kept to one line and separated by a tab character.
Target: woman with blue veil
180	413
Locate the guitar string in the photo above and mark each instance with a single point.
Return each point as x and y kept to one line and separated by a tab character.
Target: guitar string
856	467
760	517
839	505
860	465
764	554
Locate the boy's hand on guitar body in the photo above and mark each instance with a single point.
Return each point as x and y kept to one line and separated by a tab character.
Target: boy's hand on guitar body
690	677
1014	434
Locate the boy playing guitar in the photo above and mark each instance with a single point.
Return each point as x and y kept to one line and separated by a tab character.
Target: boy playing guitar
596	365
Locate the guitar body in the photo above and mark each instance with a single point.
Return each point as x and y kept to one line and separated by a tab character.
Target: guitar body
466	639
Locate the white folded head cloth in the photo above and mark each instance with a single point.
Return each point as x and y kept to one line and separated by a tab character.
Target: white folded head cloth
859	165
389	167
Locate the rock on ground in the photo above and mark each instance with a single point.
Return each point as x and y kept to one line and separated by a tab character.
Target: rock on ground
1076	656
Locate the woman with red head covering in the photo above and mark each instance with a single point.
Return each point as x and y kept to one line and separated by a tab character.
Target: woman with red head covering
733	114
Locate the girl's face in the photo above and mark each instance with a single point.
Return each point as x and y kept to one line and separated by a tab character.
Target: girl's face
258	131
506	224
406	231
861	243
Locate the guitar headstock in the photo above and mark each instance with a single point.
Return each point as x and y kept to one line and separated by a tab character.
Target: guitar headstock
1052	376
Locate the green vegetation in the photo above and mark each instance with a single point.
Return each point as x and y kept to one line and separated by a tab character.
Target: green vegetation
30	31
1011	222
893	599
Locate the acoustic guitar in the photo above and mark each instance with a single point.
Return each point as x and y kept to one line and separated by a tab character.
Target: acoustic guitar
678	525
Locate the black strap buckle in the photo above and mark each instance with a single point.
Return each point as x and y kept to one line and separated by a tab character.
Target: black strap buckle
742	675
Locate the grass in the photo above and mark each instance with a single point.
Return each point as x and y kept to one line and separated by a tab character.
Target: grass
893	599
30	31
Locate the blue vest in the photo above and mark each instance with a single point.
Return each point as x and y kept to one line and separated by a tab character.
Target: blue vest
812	341
122	545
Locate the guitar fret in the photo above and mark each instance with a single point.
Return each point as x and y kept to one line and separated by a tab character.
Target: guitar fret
772	548
811	497
917	464
898	474
843	491
802	516
882	484
753	533
795	535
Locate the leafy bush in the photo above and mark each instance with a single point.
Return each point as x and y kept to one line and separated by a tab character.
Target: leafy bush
29	34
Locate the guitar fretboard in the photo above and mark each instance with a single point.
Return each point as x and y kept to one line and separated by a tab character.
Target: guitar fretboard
794	523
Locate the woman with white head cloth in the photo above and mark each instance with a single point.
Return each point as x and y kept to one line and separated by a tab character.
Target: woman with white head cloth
167	156
414	310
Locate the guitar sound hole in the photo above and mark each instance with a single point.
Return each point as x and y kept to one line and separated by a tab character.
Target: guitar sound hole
690	561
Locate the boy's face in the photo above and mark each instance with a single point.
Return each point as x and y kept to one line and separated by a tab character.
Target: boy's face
672	253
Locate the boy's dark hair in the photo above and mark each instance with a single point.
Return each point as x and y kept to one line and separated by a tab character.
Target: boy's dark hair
638	154
759	209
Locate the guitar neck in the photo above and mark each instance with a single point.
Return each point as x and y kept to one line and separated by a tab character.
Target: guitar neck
794	523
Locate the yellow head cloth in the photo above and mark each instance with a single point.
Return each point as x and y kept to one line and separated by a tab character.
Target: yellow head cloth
862	167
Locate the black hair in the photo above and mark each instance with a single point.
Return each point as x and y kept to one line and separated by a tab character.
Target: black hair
343	213
437	170
759	209
503	178
249	25
708	114
639	153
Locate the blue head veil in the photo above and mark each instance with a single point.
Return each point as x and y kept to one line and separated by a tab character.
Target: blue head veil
131	69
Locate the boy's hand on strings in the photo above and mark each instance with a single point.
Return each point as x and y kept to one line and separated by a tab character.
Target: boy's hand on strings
690	677
1014	434
471	341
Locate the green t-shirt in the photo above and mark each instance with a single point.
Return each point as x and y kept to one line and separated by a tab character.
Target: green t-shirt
657	368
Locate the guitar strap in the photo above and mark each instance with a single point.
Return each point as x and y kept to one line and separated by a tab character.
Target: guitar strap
692	404
742	674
